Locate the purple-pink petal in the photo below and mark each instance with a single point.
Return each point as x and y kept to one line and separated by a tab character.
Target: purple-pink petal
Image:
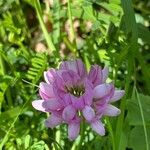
49	75
70	77
68	113
53	121
88	95
95	75
105	72
100	106
102	90
46	91
118	94
78	102
88	113
38	105
76	65
73	130
59	88
51	104
98	127
111	110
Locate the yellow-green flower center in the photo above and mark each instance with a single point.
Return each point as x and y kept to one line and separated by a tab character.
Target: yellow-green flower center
76	91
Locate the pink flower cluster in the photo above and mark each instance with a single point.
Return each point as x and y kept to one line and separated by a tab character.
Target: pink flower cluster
71	94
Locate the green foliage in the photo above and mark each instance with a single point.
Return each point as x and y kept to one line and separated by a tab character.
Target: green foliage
36	35
137	138
38	66
139	118
134	116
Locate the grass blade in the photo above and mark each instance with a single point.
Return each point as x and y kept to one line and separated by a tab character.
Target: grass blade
143	119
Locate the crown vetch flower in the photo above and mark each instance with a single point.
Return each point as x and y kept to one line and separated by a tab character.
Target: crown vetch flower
71	94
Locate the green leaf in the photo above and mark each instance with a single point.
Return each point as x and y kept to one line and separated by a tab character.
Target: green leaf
137	138
39	63
134	115
112	8
27	141
38	146
76	12
88	13
130	22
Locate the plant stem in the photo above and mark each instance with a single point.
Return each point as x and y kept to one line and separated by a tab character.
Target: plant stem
82	136
120	120
111	133
2	69
47	36
72	28
2	66
68	44
143	119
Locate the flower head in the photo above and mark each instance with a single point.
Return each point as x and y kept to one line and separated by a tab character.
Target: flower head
71	94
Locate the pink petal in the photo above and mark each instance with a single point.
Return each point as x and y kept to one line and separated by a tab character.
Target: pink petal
98	127
68	113
95	75
38	104
111	110
102	90
76	65
78	102
49	75
46	91
118	94
58	85
88	95
67	99
105	72
88	113
53	121
73	130
100	107
52	104
70	77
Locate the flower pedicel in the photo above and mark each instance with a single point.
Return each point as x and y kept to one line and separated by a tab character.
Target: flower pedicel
71	94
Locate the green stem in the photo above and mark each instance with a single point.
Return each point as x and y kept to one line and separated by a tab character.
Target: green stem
72	28
82	136
68	44
47	36
2	69
9	99
111	133
116	73
56	24
120	120
143	119
2	66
